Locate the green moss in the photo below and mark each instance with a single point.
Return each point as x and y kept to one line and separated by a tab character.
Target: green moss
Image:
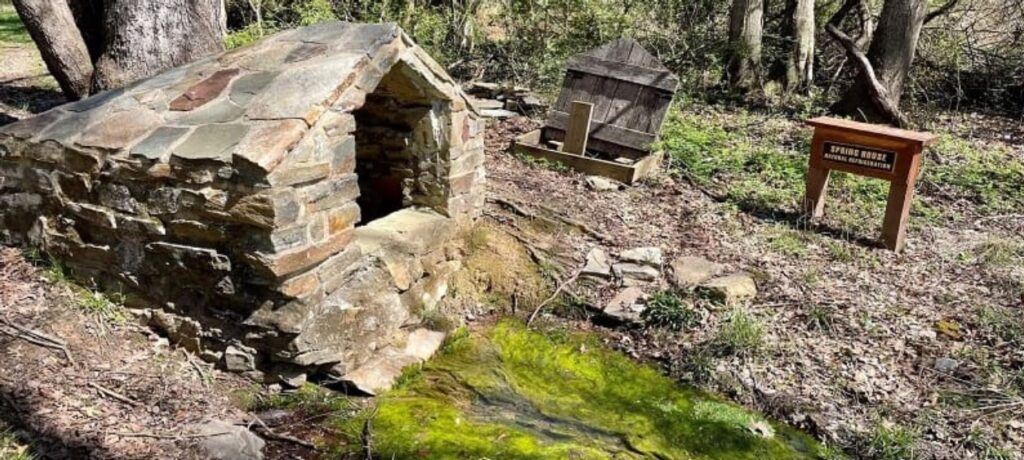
514	393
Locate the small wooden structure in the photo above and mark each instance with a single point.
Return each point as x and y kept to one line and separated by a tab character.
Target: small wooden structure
613	102
869	150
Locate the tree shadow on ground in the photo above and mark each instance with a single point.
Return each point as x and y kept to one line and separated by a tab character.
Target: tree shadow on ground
18	415
801	222
20	94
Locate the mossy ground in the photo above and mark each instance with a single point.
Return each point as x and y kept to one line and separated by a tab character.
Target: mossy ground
512	393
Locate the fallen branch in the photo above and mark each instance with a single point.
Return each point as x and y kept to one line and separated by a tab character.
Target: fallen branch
113	394
261	428
36	338
554	295
556	218
146	434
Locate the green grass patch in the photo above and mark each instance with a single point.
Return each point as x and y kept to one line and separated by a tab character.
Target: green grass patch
308	398
518	394
759	163
12	30
741	334
988	179
12	449
1001	323
889	441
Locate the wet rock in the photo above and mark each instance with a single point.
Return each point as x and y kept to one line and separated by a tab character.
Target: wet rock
602	184
598	264
635	273
731	288
225	441
626	306
646	256
690	271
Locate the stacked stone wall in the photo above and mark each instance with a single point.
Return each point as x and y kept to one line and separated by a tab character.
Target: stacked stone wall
225	194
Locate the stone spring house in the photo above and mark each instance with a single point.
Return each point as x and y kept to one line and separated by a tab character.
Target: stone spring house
285	206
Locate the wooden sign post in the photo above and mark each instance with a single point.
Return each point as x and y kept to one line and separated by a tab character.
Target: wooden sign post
869	150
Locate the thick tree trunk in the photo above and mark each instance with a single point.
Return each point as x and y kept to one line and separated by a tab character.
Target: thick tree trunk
89	19
746	26
145	37
51	24
892	52
799	65
93	45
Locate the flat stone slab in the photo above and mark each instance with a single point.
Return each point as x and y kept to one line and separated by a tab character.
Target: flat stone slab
409	230
627	305
631	273
226	441
211	142
645	256
730	288
690	271
598	264
204	91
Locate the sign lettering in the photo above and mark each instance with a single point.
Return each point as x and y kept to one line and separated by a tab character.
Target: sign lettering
882	160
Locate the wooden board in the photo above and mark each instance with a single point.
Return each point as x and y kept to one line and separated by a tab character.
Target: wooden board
578	129
630	90
529	144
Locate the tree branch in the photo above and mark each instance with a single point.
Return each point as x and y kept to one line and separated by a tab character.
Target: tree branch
879	94
946	8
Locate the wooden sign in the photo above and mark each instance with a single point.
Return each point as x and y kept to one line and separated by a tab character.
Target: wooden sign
869	150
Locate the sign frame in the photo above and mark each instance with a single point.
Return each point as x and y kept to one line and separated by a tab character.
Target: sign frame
906	146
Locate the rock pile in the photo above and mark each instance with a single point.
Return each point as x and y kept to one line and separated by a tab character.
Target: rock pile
640	270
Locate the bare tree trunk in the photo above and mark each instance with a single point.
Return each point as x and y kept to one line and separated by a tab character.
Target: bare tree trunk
878	87
746	26
51	24
146	37
799	65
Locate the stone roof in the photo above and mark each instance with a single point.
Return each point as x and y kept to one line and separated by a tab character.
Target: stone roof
249	105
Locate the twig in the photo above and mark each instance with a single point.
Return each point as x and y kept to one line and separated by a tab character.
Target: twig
367	437
202	374
113	394
261	428
557	217
37	338
558	291
145	434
